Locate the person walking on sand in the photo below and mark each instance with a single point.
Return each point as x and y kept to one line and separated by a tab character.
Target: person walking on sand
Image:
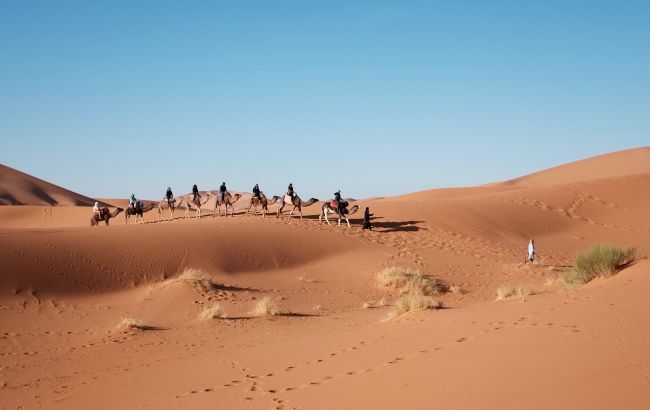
366	219
531	251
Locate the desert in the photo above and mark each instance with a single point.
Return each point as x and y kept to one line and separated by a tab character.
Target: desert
266	312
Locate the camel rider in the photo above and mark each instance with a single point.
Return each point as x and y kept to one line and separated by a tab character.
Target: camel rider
223	190
256	191
96	211
132	201
337	198
169	195
195	193
290	191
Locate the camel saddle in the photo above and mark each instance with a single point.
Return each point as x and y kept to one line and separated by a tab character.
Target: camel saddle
288	199
333	204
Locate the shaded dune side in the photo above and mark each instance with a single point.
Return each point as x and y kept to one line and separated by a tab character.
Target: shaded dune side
105	260
18	188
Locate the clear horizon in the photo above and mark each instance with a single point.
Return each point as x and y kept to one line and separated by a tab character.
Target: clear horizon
373	98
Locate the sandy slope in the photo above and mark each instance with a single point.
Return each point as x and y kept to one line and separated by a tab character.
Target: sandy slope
65	287
18	188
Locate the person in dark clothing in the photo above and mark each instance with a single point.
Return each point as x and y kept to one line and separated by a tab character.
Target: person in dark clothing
366	219
223	190
169	195
290	191
256	191
195	193
339	202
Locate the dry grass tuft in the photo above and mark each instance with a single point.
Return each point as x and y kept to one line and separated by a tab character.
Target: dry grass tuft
600	260
130	323
455	289
408	280
520	291
266	307
367	305
305	278
197	277
214	312
382	302
412	301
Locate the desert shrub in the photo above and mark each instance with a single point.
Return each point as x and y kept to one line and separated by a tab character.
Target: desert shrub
214	312
197	277
412	301
600	260
520	291
408	280
266	307
130	323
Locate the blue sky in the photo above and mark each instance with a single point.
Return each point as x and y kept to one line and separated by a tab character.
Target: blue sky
373	98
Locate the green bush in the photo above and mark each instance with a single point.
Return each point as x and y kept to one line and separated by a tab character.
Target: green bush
600	260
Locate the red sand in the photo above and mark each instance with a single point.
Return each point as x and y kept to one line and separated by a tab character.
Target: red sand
65	288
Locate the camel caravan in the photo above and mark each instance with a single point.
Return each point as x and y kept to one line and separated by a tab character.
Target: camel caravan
196	201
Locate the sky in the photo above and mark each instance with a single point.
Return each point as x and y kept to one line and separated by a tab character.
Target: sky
109	98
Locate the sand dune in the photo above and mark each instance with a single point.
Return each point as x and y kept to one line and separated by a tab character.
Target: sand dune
18	188
66	287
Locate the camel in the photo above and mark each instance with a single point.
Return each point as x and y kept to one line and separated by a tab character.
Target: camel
227	200
296	203
263	202
138	211
104	215
193	201
330	207
164	204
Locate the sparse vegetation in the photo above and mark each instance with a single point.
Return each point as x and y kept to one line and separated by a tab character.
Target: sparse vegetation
305	278
130	323
520	291
412	301
197	277
408	280
455	289
266	307
600	260
214	312
367	305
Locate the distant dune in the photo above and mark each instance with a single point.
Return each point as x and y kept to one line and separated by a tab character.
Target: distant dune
615	164
18	188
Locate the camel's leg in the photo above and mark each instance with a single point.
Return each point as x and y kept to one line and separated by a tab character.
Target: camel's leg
280	209
348	221
326	218
300	212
